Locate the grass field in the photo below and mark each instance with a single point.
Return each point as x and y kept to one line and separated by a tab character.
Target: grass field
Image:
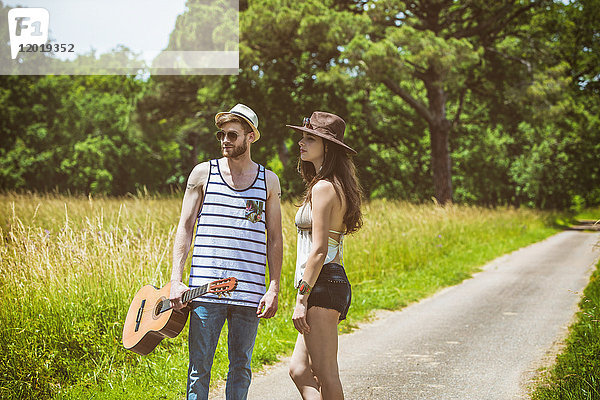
70	266
589	213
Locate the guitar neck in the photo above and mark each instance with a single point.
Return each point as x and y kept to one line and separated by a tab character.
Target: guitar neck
193	293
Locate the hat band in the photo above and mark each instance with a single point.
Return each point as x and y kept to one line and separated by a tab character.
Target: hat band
326	132
243	116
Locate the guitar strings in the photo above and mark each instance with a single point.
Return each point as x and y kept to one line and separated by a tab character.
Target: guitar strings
148	310
213	290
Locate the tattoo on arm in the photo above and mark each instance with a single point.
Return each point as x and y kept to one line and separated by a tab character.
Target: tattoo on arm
191	186
279	194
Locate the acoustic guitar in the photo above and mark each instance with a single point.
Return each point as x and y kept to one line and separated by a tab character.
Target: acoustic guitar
150	317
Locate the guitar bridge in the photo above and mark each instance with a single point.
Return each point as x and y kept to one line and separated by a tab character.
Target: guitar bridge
140	312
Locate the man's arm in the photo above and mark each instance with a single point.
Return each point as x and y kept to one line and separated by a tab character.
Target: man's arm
192	199
268	304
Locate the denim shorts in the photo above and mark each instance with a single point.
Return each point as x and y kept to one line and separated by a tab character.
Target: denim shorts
332	290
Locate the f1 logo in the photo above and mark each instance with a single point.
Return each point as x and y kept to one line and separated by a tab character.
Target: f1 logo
27	26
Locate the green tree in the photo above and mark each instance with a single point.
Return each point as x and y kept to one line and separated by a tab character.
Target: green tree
551	116
76	133
424	52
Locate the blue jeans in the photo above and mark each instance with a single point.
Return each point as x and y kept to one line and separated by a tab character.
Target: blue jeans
206	322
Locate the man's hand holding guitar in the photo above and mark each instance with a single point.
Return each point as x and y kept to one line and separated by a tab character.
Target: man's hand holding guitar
177	290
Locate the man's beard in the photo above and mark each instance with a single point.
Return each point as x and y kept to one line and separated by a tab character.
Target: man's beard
238	150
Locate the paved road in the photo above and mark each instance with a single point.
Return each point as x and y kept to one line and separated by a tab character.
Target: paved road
482	339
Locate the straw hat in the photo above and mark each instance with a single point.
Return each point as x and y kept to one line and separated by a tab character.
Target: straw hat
245	113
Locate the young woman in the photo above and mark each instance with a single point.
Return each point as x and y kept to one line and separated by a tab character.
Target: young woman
331	209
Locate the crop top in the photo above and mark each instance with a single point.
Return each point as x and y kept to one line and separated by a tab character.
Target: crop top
304	225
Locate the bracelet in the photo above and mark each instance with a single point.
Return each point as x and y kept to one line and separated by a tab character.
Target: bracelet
304	287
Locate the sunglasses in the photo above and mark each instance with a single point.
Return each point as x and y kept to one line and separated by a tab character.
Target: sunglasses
231	135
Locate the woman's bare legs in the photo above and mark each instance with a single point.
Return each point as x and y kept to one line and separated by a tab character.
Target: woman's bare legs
314	362
301	372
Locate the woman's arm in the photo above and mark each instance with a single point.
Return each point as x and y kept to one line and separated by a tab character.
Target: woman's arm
324	200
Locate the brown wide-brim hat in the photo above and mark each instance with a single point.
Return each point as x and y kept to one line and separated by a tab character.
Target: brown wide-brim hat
327	126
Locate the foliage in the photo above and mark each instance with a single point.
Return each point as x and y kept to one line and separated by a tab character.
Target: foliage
95	145
506	92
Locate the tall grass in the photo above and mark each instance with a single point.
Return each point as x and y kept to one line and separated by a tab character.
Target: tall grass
576	375
70	266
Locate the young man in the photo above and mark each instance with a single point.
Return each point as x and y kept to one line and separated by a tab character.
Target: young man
237	205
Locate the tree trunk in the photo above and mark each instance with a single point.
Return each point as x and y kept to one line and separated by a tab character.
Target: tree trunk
439	132
284	153
440	162
439	129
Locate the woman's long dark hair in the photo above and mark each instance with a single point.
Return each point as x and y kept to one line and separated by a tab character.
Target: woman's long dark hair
339	169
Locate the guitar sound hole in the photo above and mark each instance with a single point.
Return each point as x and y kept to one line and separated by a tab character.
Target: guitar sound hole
158	308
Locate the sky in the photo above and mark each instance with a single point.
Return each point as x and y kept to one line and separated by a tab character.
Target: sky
141	25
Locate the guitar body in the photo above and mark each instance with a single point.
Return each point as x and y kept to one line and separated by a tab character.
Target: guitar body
153	326
150	317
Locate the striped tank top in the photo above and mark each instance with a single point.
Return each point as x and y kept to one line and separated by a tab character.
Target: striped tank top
231	239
